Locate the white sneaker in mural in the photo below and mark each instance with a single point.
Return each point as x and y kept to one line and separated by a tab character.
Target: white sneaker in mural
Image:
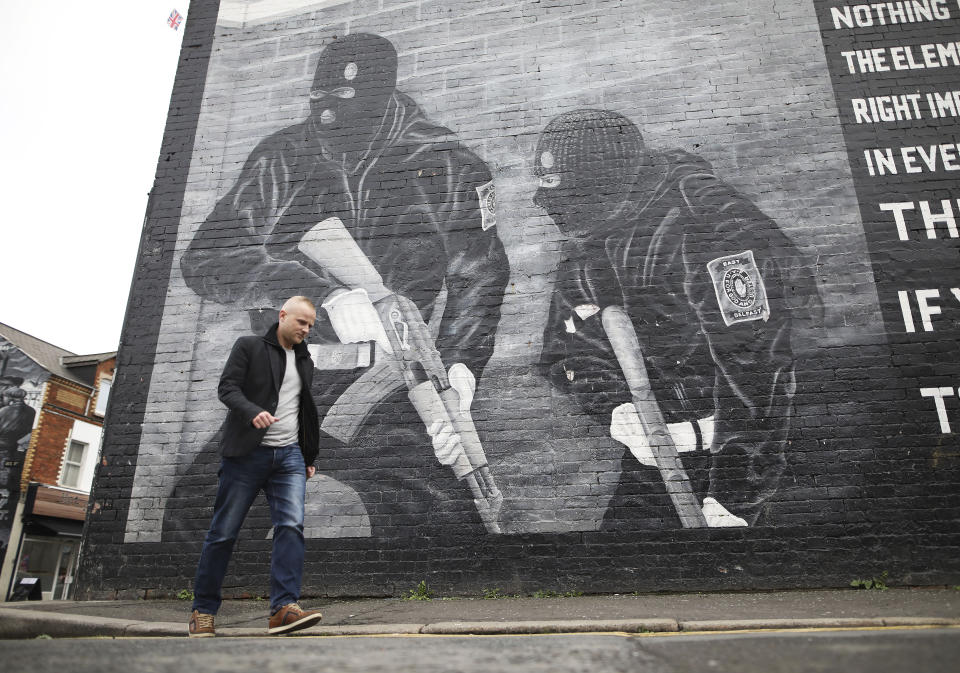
717	515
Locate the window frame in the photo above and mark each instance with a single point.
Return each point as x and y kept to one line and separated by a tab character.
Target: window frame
78	464
105	386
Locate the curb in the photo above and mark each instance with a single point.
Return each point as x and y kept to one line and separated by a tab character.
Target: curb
24	624
20	623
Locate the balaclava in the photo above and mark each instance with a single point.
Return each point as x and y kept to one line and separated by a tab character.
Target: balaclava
587	162
355	77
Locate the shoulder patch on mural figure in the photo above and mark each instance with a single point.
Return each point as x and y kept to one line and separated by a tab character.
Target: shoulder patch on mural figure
488	205
739	287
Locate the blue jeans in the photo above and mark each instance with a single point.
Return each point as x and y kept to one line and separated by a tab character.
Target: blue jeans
281	474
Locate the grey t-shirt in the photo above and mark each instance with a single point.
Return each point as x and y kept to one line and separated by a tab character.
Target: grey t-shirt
284	432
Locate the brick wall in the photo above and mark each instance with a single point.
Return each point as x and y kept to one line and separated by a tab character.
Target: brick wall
47	456
833	438
64	403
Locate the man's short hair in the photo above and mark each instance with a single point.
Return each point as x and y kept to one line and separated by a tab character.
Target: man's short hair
299	299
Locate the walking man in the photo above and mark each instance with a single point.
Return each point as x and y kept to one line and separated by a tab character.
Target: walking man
269	442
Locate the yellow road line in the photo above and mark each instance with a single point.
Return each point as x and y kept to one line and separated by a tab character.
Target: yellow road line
647	634
618	634
806	629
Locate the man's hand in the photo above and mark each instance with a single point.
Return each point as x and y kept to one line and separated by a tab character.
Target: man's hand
311	470
264	420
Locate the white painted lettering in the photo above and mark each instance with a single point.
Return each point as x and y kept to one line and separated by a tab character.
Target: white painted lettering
880	161
929	157
897	210
917	159
860	111
945	217
902	57
901	107
948	156
947	53
943	104
841	15
938	394
899	56
927	311
914	65
908	323
906	154
848	55
883	13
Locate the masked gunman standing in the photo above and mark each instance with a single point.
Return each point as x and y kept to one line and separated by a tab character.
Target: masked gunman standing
269	443
419	206
16	421
702	274
16	418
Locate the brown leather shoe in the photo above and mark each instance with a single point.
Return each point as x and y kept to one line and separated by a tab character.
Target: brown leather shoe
201	625
291	617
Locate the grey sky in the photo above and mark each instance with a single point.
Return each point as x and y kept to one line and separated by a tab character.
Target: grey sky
86	88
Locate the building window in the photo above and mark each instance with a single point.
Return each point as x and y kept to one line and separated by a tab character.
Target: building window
73	464
103	395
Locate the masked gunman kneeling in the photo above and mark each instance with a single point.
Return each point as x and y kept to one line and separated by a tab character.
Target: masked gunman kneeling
702	274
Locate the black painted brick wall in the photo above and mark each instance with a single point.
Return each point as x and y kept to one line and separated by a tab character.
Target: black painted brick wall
871	485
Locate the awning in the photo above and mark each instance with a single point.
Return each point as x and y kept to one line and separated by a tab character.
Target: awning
48	525
45	500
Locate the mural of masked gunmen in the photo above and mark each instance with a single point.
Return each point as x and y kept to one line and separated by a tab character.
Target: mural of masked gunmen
711	287
16	421
16	417
386	220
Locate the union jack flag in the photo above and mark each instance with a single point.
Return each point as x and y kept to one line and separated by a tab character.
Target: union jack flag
176	18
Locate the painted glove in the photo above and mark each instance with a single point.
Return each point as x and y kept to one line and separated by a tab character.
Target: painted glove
355	319
464	382
446	443
625	427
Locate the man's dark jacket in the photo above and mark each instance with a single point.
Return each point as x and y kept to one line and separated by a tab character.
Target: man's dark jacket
250	383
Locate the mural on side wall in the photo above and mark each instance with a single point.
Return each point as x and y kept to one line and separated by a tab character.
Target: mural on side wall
385	219
672	316
21	381
649	328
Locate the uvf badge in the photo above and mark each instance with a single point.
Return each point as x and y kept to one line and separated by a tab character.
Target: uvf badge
739	288
488	205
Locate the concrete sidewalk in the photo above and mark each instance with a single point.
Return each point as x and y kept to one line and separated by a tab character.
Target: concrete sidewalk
834	608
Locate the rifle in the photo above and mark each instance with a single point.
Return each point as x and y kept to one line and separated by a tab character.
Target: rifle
626	346
330	245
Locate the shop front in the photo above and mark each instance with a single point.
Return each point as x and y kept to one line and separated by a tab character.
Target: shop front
50	543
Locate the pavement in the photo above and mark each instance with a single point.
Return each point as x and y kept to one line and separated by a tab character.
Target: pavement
612	613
